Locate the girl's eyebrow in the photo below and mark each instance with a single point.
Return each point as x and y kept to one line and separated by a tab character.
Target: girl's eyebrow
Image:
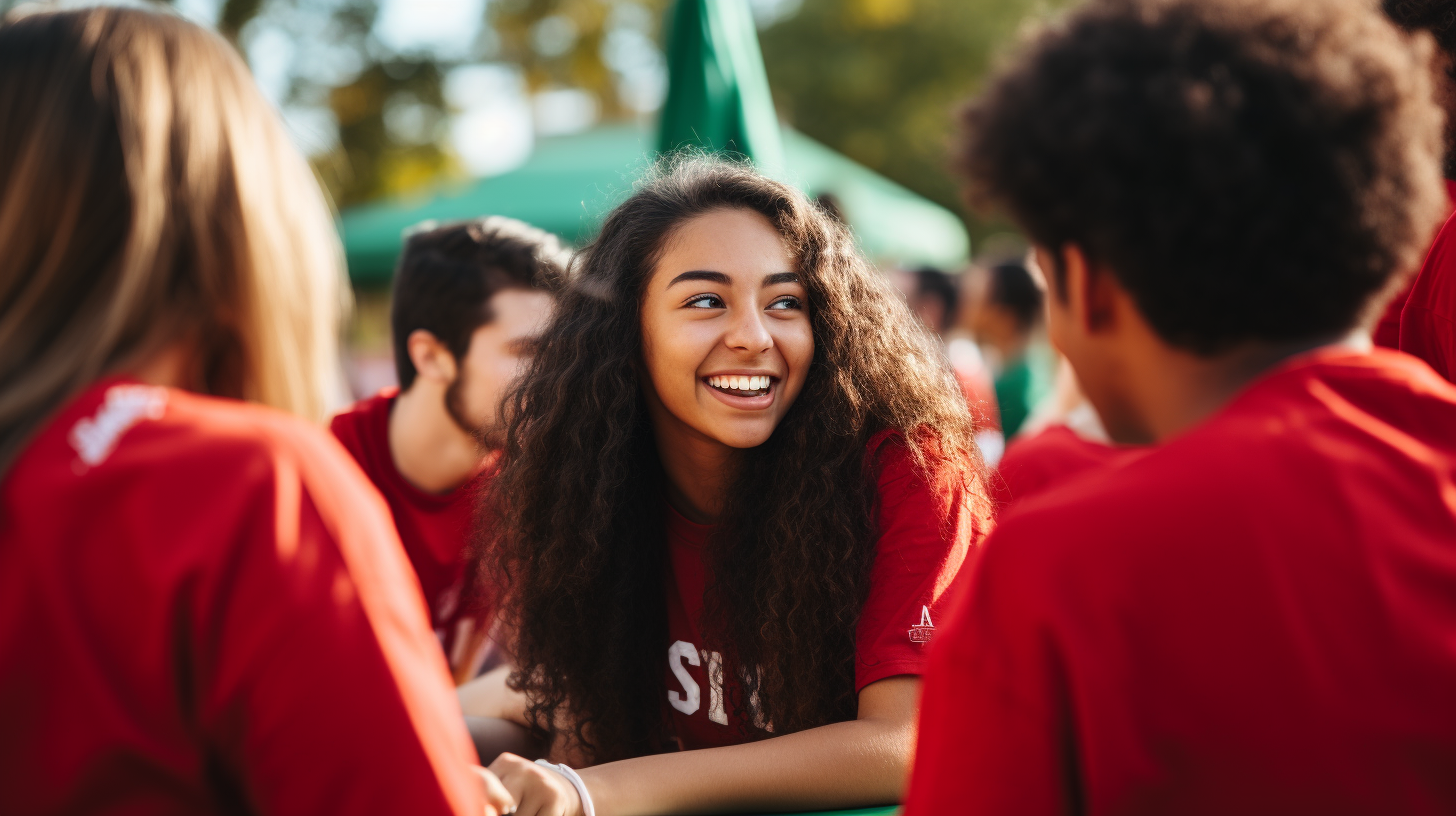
700	275
780	277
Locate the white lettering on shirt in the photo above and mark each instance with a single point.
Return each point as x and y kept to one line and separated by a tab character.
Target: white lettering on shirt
95	438
716	711
676	654
922	633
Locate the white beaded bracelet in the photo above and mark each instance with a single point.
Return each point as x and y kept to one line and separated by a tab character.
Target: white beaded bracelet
575	779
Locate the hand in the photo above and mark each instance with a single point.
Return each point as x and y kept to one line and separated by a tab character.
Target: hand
537	791
497	799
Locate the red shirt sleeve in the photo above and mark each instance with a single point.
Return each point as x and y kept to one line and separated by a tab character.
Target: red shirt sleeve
316	667
1428	322
926	535
1431	337
993	738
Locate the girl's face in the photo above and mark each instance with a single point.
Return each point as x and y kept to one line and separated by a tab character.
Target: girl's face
726	338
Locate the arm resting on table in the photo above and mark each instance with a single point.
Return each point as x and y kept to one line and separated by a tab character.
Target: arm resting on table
851	764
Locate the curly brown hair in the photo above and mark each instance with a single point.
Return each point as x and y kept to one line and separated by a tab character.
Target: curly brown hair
1436	16
577	537
1249	170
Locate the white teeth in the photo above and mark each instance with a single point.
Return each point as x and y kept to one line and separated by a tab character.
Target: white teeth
738	383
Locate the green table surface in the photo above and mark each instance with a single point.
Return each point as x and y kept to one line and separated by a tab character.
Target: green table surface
887	810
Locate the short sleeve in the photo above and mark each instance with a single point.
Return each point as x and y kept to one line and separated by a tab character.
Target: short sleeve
1428	322
321	687
1431	337
926	535
992	730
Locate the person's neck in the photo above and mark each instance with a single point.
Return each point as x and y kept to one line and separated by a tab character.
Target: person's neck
429	449
1175	390
699	470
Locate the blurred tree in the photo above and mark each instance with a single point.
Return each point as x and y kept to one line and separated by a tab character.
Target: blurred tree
879	80
389	109
235	14
390	131
569	43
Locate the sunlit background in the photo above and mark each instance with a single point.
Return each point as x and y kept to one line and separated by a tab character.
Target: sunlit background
398	101
390	96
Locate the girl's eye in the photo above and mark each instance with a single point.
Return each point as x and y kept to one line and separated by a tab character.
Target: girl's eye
705	302
786	302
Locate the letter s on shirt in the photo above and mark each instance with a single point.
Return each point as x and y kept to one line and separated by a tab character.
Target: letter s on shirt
676	654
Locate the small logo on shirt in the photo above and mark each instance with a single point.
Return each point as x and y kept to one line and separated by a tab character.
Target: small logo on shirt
95	437
922	633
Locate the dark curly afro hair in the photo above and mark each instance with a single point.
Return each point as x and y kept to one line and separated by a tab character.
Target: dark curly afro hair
1249	170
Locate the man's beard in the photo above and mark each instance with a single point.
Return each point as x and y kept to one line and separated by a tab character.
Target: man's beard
487	438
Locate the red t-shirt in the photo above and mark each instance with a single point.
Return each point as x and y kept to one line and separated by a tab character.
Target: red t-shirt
1428	322
1050	457
917	558
435	530
1387	332
204	609
1257	617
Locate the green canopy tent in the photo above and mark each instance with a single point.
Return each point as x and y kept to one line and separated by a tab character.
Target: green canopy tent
718	100
717	92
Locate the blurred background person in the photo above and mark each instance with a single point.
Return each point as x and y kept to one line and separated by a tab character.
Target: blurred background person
201	596
467	303
933	296
1061	440
1005	316
1421	319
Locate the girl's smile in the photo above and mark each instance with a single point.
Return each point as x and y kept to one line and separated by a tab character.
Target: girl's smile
749	391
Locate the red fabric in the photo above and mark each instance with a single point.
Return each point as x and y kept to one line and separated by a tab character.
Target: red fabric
980	393
1428	321
1257	617
1387	331
917	558
1050	457
203	601
434	528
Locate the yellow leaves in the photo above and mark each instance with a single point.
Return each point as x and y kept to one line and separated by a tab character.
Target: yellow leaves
881	13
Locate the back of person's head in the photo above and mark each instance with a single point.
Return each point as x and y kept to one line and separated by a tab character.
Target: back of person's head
149	197
1437	18
1248	170
1014	290
447	276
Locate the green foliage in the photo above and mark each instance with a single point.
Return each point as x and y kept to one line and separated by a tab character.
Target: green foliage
371	161
880	80
559	43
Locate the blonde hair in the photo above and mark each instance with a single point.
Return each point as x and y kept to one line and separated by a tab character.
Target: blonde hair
150	198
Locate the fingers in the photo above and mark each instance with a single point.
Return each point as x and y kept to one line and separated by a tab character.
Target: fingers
512	773
536	791
496	795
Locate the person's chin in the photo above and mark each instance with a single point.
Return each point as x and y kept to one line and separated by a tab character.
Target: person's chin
743	438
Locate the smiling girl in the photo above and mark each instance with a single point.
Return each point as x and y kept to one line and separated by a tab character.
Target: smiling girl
738	483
